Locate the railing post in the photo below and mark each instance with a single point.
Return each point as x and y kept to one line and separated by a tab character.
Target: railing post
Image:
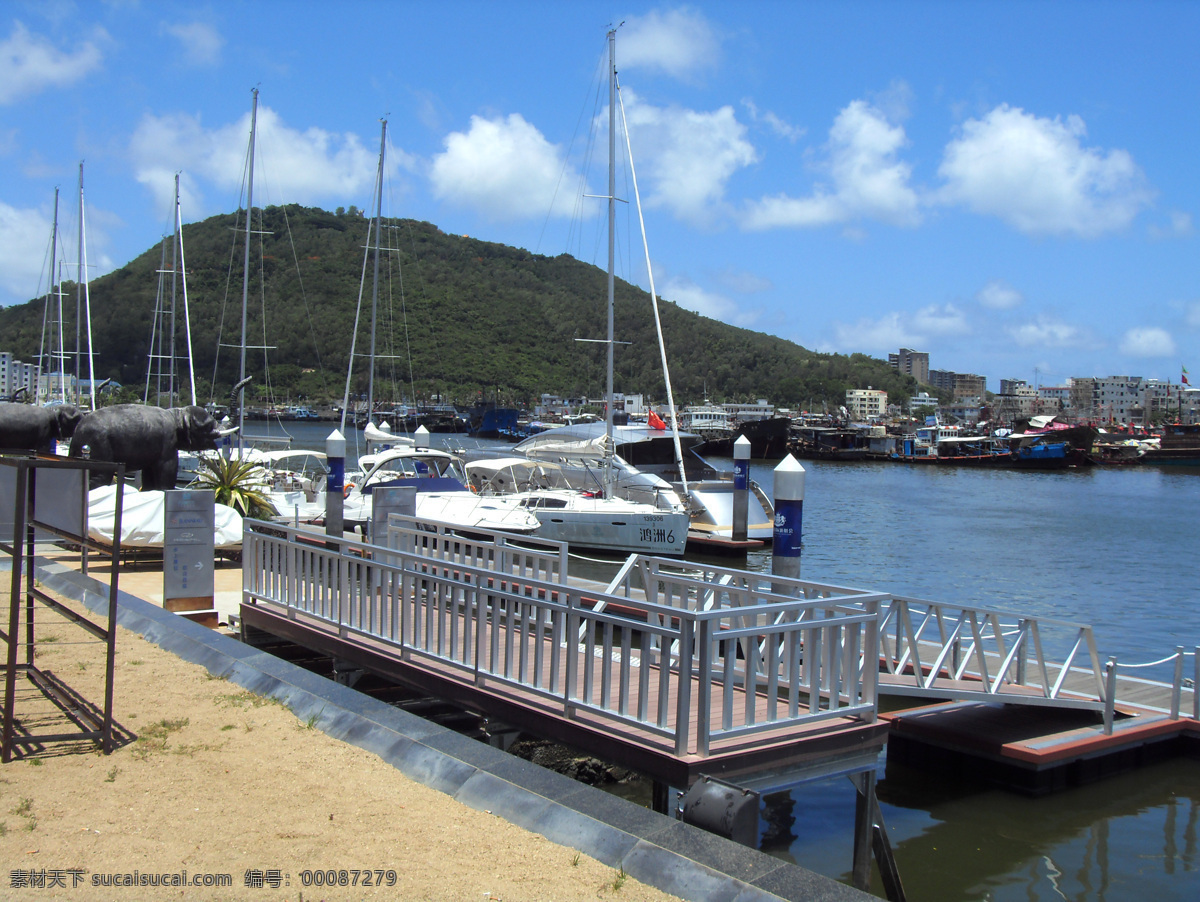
1177	683
683	711
1110	694
1196	683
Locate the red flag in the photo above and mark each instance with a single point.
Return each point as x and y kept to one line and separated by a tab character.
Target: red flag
1183	378
656	421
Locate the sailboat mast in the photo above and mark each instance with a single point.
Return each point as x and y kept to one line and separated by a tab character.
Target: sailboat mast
47	320
187	320
246	271
87	295
79	280
375	284
174	281
612	224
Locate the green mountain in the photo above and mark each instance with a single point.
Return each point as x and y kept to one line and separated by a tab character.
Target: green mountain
459	318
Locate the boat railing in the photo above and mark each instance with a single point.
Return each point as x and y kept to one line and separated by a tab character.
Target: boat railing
669	672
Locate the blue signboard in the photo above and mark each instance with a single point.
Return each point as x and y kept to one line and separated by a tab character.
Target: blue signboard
789	519
741	475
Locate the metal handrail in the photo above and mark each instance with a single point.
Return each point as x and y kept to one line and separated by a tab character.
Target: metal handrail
1177	684
481	621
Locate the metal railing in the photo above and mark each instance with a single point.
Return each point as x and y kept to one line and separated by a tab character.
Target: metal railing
959	651
1178	684
925	648
666	670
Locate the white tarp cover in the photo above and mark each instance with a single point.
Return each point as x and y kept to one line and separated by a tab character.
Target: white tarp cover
143	519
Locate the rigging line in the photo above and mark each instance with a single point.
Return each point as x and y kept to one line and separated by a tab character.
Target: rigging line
237	218
654	299
362	281
412	380
242	196
566	163
304	297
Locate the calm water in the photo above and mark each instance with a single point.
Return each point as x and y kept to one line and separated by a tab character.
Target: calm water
1109	547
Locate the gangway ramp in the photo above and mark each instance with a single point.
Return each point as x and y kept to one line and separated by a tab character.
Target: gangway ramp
927	650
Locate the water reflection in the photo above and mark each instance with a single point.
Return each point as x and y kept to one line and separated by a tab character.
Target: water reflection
1134	835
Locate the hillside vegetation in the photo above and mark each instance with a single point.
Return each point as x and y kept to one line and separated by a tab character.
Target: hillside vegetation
462	319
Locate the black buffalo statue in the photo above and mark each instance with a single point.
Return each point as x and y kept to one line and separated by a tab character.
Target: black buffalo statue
146	438
28	427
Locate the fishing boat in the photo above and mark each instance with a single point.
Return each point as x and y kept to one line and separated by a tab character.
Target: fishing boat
1179	445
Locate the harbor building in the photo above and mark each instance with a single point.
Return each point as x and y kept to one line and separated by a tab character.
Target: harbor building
911	363
866	404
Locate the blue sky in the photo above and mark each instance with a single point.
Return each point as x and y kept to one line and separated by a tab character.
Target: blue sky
1010	186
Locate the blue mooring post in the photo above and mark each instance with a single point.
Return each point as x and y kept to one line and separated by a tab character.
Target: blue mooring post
741	488
789	518
335	456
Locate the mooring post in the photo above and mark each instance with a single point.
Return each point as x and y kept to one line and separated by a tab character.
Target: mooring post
789	518
864	823
335	457
741	488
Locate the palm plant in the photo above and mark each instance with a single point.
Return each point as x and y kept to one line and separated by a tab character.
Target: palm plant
239	484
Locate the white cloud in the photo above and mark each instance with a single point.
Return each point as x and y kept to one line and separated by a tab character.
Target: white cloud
1148	341
999	295
1046	332
940	320
291	166
505	169
865	179
1192	314
688	294
679	42
1179	225
773	123
744	282
201	43
24	248
29	63
1036	175
900	329
686	157
888	331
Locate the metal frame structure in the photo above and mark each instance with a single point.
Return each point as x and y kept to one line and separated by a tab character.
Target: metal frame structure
672	674
27	524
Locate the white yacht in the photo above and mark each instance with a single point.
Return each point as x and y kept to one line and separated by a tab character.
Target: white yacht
584	519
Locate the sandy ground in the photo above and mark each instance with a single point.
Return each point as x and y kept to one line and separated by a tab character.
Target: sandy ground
211	780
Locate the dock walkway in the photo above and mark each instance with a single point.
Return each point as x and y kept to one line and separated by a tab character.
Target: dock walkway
678	669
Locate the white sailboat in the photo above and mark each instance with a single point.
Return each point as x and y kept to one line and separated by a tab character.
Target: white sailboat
598	516
54	359
440	482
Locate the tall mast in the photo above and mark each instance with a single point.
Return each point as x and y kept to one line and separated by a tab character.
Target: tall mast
79	280
187	320
47	318
246	272
375	285
174	280
87	297
612	223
